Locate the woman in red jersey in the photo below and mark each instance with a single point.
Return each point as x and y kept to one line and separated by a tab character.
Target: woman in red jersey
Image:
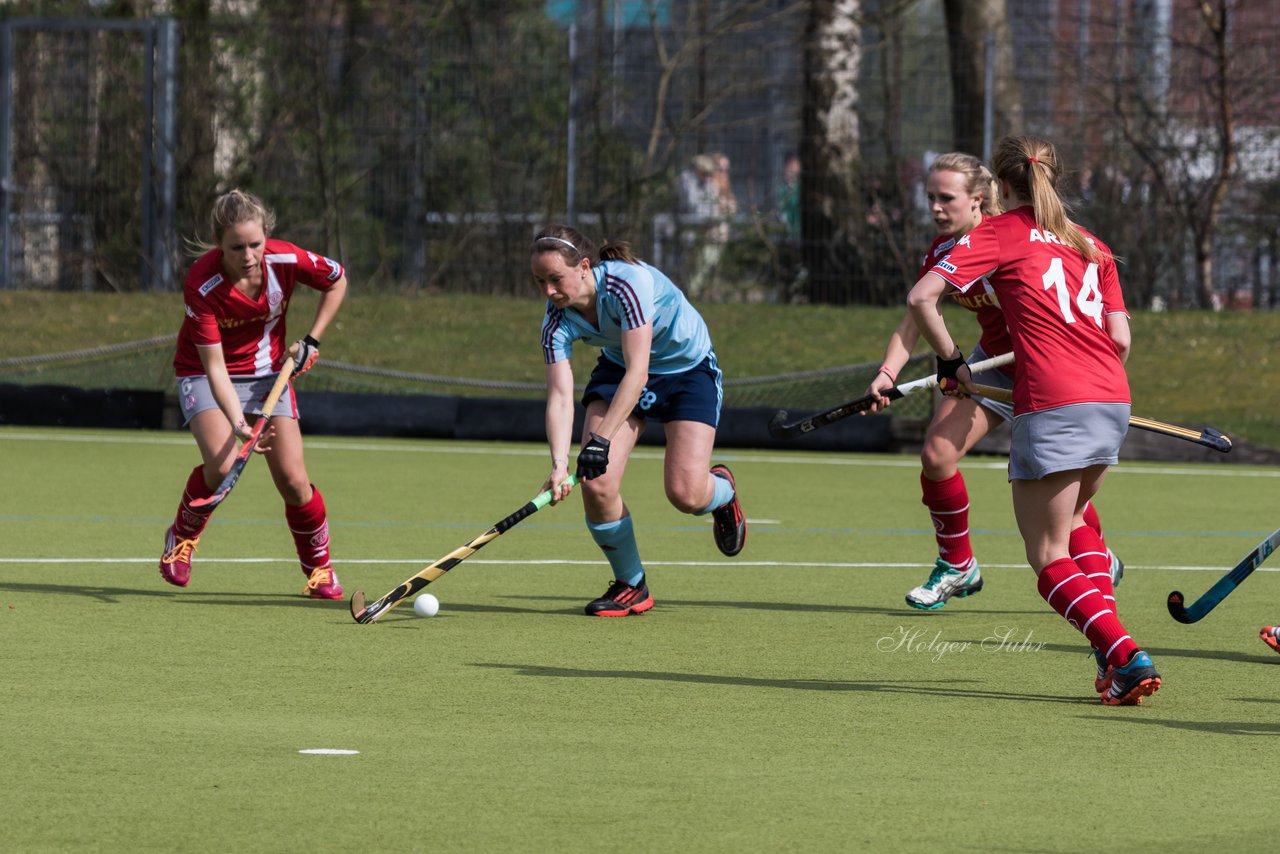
230	348
962	193
1061	299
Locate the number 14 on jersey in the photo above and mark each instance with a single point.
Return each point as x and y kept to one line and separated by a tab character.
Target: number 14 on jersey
1089	298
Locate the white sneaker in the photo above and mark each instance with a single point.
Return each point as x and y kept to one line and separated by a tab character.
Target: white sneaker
944	582
1117	568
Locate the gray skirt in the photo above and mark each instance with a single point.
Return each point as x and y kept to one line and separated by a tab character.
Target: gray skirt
1067	438
195	396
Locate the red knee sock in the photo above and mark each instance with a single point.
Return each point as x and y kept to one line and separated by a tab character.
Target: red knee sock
189	523
1091	519
1091	556
1080	603
948	503
310	528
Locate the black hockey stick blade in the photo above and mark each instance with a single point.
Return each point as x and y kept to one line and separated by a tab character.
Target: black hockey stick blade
1219	591
1213	439
1208	437
780	429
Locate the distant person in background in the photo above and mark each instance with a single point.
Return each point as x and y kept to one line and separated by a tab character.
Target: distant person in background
230	348
716	205
962	193
656	363
787	196
1060	294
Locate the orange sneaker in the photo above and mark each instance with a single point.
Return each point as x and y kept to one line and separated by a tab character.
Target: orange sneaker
1268	636
175	563
1129	684
323	584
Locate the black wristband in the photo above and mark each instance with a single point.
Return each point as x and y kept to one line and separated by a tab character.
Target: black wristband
947	368
314	342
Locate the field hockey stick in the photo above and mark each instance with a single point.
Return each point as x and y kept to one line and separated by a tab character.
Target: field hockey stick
367	614
246	450
780	429
1208	437
1225	584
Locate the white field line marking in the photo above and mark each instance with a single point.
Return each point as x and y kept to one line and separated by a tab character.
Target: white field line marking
640	454
329	751
111	562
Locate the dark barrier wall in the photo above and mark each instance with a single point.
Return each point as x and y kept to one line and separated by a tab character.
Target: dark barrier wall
67	406
431	417
342	414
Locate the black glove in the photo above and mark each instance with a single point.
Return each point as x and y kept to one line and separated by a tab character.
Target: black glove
308	352
593	459
947	369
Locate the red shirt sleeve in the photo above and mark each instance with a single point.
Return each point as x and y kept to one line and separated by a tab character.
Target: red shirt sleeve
316	271
974	256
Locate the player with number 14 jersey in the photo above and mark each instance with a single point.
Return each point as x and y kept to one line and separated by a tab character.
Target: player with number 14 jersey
1053	297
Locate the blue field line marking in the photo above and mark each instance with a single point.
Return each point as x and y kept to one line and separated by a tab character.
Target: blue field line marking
109	563
439	446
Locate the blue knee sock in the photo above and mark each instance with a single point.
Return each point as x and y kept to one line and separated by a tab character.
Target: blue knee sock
618	542
723	495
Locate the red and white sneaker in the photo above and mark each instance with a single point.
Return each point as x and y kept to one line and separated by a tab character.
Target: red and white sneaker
175	563
323	584
1268	636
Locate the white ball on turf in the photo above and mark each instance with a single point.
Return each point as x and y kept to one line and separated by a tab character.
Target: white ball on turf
426	605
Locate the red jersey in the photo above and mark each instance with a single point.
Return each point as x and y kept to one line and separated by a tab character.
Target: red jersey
981	300
250	332
1054	302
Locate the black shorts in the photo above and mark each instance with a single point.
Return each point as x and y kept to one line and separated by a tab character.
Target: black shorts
693	395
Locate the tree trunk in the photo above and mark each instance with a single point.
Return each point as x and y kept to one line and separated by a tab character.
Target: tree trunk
968	23
197	97
831	198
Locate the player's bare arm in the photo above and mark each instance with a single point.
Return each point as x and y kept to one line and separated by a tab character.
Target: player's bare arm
559	418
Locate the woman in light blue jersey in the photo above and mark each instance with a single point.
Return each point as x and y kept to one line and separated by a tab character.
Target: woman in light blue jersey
656	363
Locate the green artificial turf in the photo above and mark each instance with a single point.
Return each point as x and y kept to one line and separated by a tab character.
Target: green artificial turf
782	700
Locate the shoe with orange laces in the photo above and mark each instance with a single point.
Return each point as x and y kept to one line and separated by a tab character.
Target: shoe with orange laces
1129	684
175	563
621	599
323	584
730	527
1268	634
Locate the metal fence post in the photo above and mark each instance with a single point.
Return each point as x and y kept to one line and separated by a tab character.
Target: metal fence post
571	147
6	147
164	237
989	99
147	250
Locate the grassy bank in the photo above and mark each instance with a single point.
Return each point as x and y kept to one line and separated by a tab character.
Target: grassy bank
1188	367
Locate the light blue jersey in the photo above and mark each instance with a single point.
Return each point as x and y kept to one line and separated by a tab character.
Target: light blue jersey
627	297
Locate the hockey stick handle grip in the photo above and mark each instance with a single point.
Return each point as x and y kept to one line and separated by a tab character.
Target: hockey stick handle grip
277	388
539	501
976	368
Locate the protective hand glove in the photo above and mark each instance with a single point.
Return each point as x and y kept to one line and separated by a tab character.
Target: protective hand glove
593	459
948	381
308	352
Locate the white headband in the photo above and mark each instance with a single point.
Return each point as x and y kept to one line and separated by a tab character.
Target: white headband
560	240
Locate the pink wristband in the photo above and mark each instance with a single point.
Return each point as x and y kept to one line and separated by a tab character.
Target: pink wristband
888	373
